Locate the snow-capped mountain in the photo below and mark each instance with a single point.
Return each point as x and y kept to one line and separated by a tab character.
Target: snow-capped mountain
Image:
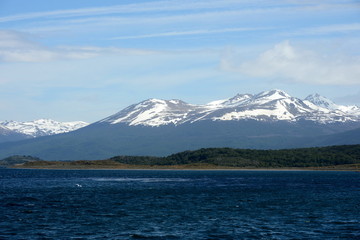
42	127
327	104
274	105
321	101
268	120
153	112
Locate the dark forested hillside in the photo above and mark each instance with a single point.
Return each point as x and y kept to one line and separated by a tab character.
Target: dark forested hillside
335	157
303	157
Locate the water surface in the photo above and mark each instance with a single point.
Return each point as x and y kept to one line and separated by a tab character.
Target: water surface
131	204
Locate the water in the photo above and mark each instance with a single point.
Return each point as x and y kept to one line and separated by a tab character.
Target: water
57	204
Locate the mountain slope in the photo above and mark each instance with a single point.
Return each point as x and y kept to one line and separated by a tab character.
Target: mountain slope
347	137
7	135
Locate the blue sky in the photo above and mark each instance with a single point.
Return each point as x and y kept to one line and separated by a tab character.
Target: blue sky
87	59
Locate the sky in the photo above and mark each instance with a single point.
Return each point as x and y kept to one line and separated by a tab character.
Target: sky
87	59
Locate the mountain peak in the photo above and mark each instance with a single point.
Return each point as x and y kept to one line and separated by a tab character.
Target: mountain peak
151	101
152	112
321	101
239	98
273	94
154	101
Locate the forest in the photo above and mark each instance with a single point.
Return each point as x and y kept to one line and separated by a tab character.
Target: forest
317	157
301	157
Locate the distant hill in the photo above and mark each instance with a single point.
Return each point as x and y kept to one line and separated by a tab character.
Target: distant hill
17	159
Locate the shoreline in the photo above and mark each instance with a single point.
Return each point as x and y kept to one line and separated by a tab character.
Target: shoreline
222	168
113	165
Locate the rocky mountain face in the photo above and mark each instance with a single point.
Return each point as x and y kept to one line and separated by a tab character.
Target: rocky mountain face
41	127
274	105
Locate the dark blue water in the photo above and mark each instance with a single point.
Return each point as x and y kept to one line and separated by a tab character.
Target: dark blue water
56	204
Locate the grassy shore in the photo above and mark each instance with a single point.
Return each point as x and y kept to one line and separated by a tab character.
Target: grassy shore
109	164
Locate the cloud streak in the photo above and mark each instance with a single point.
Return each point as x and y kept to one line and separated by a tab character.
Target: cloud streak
178	8
157	6
184	33
166	19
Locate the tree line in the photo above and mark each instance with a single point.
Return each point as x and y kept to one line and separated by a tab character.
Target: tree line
301	157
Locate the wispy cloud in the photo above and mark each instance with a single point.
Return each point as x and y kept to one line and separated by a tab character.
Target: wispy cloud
154	6
194	32
164	19
288	63
177	8
17	47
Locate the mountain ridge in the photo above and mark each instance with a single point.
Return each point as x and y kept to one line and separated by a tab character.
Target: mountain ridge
273	105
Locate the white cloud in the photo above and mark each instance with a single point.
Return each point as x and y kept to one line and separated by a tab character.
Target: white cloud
12	39
17	47
327	29
288	63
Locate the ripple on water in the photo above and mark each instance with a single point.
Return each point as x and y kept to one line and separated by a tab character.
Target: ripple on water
178	205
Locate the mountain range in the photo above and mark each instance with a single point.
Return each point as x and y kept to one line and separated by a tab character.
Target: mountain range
14	130
274	105
268	120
